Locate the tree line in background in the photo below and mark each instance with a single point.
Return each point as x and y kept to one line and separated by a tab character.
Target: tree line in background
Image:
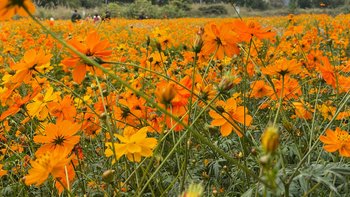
256	4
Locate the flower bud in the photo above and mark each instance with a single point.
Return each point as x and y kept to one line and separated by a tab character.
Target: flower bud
226	84
105	93
107	176
158	46
288	125
264	160
93	87
198	44
270	139
167	94
103	116
148	41
253	151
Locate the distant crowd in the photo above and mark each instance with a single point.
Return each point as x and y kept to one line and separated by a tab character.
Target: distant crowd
96	18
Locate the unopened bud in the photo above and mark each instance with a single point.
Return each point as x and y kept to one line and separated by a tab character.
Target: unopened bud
93	87
226	84
270	139
287	125
105	93
159	46
167	94
107	176
197	47
264	160
253	151
239	155
148	41
11	72
103	116
21	128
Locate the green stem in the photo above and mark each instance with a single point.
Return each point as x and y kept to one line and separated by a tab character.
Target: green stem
182	185
279	103
211	59
312	189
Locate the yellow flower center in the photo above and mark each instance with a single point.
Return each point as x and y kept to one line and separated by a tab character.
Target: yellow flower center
342	136
44	160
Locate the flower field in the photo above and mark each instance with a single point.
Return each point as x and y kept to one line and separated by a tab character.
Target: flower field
174	107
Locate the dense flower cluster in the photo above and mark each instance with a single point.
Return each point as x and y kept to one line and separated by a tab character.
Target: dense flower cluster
137	89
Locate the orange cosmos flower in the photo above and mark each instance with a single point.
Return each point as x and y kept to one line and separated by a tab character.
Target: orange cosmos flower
180	113
9	8
175	98
283	67
291	88
247	31
33	61
93	48
90	123
337	140
233	114
63	109
58	137
302	110
54	163
293	30
328	72
205	92
260	89
155	122
220	39
2	172
134	144
18	103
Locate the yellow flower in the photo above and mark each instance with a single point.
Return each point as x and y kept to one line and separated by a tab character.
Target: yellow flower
9	8
39	107
134	144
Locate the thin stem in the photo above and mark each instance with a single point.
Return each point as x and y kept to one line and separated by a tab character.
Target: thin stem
211	59
312	189
182	185
279	103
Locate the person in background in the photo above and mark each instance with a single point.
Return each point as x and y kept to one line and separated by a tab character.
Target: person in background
107	16
75	16
52	21
142	16
97	18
